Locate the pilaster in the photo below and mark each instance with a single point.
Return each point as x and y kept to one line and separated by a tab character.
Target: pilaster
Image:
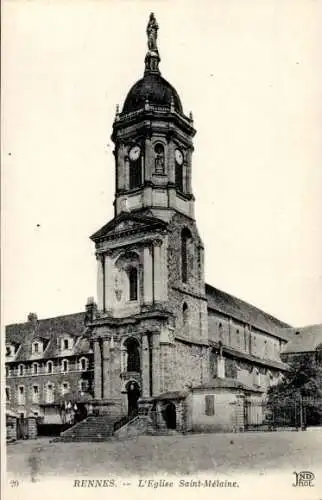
97	370
148	275
100	282
157	270
145	366
108	286
156	364
106	371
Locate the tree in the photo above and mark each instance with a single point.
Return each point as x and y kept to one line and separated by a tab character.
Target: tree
301	389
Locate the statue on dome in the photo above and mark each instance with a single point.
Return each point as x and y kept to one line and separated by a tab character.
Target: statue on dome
152	32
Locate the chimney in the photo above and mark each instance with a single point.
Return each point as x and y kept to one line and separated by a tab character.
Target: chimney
33	320
91	309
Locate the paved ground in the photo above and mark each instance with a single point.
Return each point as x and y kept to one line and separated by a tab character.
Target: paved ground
146	455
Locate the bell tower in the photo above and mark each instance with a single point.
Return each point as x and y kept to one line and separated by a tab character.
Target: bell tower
153	144
150	328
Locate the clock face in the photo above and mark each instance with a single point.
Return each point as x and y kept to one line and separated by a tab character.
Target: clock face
179	156
135	153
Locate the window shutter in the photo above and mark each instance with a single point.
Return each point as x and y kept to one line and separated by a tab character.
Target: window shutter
210	405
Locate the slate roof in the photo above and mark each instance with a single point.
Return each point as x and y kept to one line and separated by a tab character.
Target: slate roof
304	339
245	312
49	330
226	383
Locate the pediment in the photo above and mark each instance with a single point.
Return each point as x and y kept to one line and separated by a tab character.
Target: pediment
125	223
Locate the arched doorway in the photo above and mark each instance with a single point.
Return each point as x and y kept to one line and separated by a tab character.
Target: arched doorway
170	416
133	394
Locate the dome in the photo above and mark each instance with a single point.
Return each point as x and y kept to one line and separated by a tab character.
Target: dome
154	88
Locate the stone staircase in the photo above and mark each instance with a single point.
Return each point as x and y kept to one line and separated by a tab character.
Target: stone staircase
92	428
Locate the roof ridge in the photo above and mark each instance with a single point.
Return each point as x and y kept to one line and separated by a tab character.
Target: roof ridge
23	323
248	304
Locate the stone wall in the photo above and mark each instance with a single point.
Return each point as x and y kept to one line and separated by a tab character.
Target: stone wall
57	378
239	336
32	428
11	428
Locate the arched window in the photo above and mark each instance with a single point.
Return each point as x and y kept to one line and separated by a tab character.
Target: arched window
133	355
35	347
49	367
21	395
135	173
220	332
21	370
64	366
159	159
237	338
83	364
35	368
185	315
185	244
133	283
179	175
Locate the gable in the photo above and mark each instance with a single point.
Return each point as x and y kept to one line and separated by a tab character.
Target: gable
125	224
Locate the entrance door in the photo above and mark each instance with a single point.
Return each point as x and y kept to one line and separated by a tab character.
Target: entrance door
170	416
133	394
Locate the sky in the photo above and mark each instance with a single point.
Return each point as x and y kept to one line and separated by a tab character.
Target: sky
249	71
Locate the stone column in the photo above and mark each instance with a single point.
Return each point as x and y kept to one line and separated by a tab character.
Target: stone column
188	171
126	173
97	370
149	160
100	282
171	162
106	368
157	270
120	166
109	285
145	368
147	275
171	174
220	367
156	363
123	352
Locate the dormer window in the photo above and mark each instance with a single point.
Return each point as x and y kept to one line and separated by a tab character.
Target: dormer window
64	366
10	350
35	347
65	343
49	367
21	370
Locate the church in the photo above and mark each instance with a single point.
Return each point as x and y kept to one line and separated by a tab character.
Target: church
159	348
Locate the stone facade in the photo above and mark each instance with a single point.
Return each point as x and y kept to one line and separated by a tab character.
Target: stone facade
46	361
156	329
